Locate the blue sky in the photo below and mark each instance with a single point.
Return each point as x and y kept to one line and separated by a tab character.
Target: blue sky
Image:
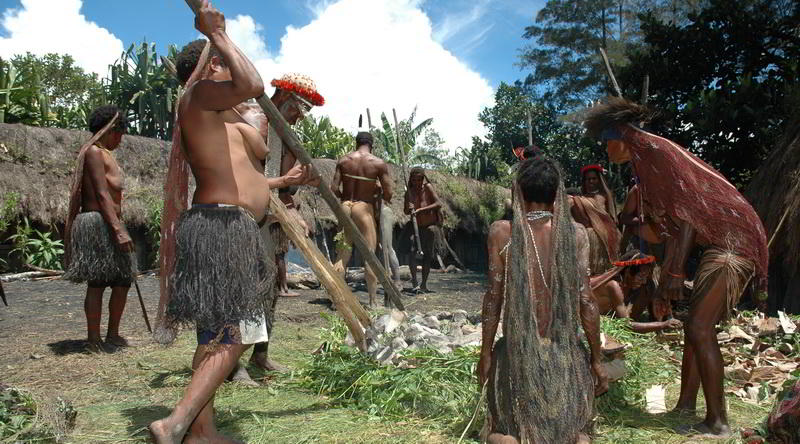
444	56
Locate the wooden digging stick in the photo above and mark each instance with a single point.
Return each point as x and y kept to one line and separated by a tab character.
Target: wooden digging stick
293	143
345	302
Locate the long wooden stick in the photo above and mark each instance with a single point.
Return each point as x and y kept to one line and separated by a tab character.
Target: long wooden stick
293	143
346	303
611	73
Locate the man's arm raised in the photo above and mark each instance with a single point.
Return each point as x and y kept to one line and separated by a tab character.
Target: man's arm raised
245	81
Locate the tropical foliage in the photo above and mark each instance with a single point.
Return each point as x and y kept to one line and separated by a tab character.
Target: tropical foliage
418	143
140	84
37	248
322	138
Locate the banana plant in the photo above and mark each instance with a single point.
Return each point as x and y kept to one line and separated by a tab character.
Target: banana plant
410	152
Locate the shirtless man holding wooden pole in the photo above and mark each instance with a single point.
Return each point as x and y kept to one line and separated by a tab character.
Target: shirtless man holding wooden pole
355	182
221	279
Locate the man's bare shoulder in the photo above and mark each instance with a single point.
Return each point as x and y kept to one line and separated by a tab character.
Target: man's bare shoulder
500	232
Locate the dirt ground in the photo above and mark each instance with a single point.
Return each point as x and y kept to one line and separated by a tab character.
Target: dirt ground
117	395
45	318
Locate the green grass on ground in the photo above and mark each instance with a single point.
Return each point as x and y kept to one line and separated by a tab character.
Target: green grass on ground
118	395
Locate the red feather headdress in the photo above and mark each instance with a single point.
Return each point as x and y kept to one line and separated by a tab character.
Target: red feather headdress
301	85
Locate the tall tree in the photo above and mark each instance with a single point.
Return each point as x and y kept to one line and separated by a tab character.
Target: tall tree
50	90
722	78
563	55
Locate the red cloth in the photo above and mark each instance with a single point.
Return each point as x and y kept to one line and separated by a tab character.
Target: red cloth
75	194
688	189
176	200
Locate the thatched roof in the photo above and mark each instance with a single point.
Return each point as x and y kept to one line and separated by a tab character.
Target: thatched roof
38	163
775	191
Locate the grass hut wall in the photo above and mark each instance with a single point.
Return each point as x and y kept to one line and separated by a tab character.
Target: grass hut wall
36	165
775	192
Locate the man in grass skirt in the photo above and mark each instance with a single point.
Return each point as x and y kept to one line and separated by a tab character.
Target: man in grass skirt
214	265
98	247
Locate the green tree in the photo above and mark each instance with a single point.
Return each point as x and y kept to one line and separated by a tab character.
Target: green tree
722	79
323	139
50	91
563	55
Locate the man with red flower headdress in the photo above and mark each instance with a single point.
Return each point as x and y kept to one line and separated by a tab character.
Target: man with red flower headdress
696	206
594	208
295	95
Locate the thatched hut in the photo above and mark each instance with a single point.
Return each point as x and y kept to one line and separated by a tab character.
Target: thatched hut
36	164
775	194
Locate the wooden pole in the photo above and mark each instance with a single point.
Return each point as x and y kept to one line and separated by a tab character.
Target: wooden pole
530	127
399	143
369	120
346	303
646	89
611	73
293	143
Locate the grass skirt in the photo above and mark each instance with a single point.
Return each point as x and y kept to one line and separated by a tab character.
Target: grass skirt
222	273
95	255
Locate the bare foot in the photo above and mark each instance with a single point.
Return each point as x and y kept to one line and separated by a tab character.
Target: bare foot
288	294
704	431
119	341
161	433
373	304
261	361
99	347
583	439
241	376
683	411
425	289
211	438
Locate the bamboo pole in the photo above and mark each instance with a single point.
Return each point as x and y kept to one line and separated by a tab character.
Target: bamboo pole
646	89
293	143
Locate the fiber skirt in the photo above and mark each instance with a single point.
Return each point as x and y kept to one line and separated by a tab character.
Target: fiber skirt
95	256
222	274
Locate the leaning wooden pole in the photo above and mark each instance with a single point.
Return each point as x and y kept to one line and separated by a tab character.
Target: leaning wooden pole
611	73
293	143
346	303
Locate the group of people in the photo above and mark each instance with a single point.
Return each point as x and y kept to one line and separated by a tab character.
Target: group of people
222	259
558	261
555	265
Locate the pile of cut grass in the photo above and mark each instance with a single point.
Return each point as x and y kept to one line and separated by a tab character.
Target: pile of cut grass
428	385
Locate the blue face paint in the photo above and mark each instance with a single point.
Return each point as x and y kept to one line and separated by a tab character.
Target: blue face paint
610	134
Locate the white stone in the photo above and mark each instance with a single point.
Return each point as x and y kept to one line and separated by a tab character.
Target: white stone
431	322
399	343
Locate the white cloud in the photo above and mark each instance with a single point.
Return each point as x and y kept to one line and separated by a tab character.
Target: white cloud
379	54
248	36
44	26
